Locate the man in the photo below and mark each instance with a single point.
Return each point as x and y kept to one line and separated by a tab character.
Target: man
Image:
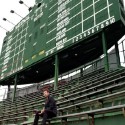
49	110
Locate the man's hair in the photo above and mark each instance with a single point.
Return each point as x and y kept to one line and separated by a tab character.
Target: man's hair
45	89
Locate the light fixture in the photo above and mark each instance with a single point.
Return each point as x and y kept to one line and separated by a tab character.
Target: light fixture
12	11
39	4
29	8
21	2
4	19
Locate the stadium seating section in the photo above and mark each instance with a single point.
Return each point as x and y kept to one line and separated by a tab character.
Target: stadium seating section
88	100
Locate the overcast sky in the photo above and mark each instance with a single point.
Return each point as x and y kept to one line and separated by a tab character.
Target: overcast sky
5	7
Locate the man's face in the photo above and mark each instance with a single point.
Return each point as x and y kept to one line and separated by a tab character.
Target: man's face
45	94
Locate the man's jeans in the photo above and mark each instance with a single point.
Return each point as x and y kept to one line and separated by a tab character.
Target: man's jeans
46	115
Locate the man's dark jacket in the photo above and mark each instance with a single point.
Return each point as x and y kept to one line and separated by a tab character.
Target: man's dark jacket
50	105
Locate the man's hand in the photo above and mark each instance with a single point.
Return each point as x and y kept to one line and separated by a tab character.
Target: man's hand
42	111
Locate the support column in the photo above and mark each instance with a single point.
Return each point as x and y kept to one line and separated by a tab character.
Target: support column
117	55
8	88
81	72
8	91
106	61
56	72
14	91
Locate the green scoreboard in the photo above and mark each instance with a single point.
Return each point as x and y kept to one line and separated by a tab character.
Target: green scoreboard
52	26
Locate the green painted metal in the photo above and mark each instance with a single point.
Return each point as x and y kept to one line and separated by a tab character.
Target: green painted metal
113	117
56	72
8	91
51	27
106	61
81	72
117	55
15	86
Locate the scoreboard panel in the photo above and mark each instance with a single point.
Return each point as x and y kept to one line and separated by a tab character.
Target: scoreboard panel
13	49
72	20
51	26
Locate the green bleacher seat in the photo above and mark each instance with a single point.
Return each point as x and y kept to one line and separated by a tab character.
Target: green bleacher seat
95	94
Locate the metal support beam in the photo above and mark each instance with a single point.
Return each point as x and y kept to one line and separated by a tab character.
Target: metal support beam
14	91
8	88
81	72
117	55
56	72
8	91
106	61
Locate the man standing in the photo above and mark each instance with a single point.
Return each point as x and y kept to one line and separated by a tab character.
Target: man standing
49	111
